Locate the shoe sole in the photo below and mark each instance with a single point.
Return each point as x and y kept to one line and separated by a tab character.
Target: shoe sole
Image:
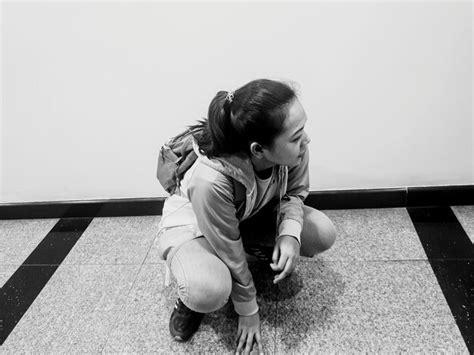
179	339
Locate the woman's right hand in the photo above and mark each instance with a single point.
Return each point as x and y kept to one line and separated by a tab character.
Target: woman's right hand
247	333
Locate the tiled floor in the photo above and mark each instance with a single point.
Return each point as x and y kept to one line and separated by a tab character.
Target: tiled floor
374	291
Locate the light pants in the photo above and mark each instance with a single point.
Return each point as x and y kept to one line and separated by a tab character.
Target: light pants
204	281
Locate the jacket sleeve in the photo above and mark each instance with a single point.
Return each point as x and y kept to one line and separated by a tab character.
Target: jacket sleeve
213	204
291	205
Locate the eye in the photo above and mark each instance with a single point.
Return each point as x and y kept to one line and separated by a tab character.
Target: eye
296	139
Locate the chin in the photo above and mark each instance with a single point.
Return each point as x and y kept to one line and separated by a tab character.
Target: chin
295	162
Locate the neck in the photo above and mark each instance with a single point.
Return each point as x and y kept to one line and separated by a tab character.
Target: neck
262	167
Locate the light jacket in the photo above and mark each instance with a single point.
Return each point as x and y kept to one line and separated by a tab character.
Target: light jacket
216	195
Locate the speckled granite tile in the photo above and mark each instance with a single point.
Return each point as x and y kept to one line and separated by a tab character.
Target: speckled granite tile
374	234
375	307
79	304
144	325
363	234
18	238
465	216
152	256
115	240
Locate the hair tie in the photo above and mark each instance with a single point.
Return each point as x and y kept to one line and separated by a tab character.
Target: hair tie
230	96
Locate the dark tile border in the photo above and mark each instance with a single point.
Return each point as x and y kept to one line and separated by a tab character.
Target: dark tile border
324	200
451	256
22	288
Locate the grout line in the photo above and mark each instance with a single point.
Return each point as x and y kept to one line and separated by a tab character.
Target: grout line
300	261
127	298
75	264
120	312
449	259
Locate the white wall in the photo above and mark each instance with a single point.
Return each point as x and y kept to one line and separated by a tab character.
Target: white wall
92	89
1	106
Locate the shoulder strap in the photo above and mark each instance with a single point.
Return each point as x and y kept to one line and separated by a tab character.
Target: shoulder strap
239	197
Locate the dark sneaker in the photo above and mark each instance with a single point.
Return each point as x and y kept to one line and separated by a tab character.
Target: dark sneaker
184	322
261	253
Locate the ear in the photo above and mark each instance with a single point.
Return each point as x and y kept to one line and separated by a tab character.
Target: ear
256	149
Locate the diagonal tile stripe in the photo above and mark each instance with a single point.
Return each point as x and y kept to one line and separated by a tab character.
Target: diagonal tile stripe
26	283
451	255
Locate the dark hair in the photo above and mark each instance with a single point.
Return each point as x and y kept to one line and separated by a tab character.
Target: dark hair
256	114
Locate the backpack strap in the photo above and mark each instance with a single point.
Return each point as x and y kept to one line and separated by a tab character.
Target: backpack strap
175	157
239	197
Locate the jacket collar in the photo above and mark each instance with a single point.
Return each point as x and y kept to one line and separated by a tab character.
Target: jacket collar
238	167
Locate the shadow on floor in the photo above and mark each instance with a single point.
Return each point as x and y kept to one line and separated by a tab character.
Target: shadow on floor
295	309
306	303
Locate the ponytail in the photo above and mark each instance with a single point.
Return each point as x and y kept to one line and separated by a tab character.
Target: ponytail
225	138
253	113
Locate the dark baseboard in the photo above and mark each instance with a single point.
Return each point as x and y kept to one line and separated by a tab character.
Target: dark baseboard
323	200
72	209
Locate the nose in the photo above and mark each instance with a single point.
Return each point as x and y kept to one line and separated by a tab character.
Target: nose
305	141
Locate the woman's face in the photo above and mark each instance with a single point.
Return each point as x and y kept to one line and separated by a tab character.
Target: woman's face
288	147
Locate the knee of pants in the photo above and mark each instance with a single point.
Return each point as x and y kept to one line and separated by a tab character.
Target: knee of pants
329	233
322	231
207	288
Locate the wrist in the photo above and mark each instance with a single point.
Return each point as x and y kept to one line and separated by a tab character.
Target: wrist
290	227
249	315
289	235
246	308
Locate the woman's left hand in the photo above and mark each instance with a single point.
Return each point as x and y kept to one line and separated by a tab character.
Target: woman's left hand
285	256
